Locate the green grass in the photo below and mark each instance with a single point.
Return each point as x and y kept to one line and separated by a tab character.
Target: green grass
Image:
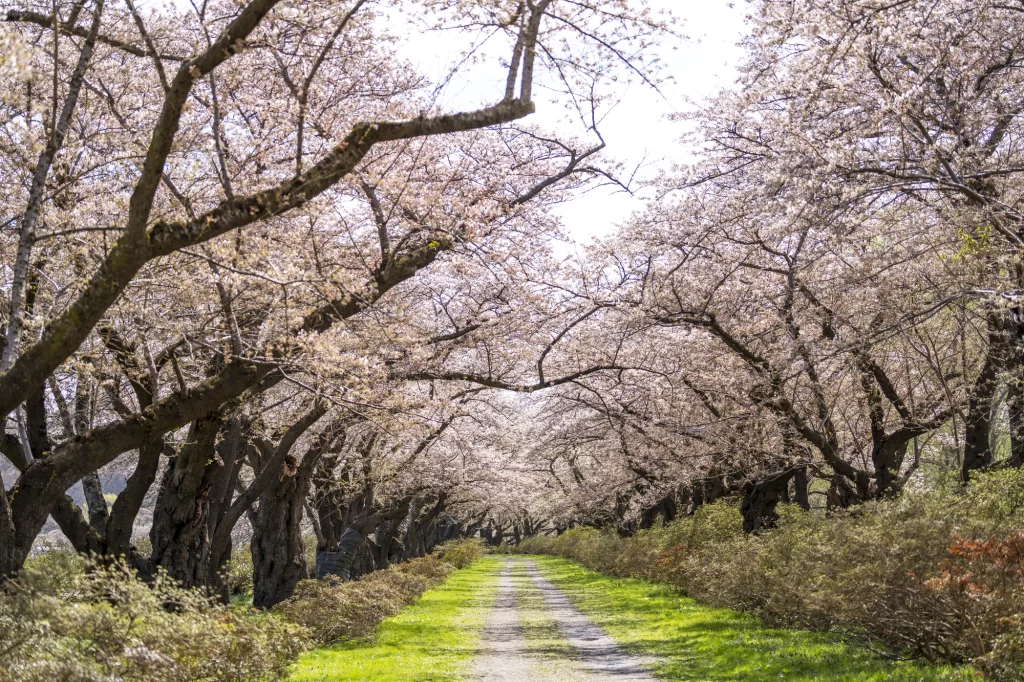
432	640
436	638
693	642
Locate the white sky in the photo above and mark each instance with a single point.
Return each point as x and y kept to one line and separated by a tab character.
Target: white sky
636	130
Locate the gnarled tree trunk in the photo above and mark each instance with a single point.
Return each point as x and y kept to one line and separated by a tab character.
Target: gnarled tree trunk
978	423
760	499
278	554
181	530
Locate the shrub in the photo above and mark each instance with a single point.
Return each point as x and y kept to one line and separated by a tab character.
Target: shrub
538	544
429	567
55	570
105	624
333	610
460	552
238	572
64	619
982	580
1005	660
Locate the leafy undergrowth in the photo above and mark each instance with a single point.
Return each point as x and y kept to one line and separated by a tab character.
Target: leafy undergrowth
431	640
63	618
460	552
59	621
688	641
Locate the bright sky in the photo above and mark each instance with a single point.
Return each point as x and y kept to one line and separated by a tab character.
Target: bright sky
636	130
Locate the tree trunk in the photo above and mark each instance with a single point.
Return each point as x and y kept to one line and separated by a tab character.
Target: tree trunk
340	562
418	534
978	423
125	509
841	494
10	556
278	554
622	529
180	534
95	503
385	538
329	505
760	499
665	509
706	491
887	458
82	536
1015	406
800	489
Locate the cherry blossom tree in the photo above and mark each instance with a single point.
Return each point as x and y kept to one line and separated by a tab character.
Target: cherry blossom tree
219	199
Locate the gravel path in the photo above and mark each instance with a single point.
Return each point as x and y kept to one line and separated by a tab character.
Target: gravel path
504	643
535	633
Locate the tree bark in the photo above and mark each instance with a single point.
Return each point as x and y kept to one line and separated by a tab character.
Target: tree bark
978	423
11	557
278	554
341	561
125	509
1015	407
180	532
386	534
278	551
760	499
666	509
329	504
800	489
841	494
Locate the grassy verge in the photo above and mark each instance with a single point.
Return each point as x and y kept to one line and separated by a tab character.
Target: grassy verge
692	642
432	640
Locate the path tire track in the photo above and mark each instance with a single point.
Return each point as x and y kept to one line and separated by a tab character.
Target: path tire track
506	655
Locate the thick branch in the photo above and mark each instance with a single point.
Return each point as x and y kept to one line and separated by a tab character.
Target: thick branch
46	478
492	382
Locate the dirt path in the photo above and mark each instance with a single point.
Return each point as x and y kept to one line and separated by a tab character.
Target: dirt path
535	633
504	658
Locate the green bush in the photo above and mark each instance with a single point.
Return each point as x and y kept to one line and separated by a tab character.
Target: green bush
55	571
105	624
460	552
937	573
